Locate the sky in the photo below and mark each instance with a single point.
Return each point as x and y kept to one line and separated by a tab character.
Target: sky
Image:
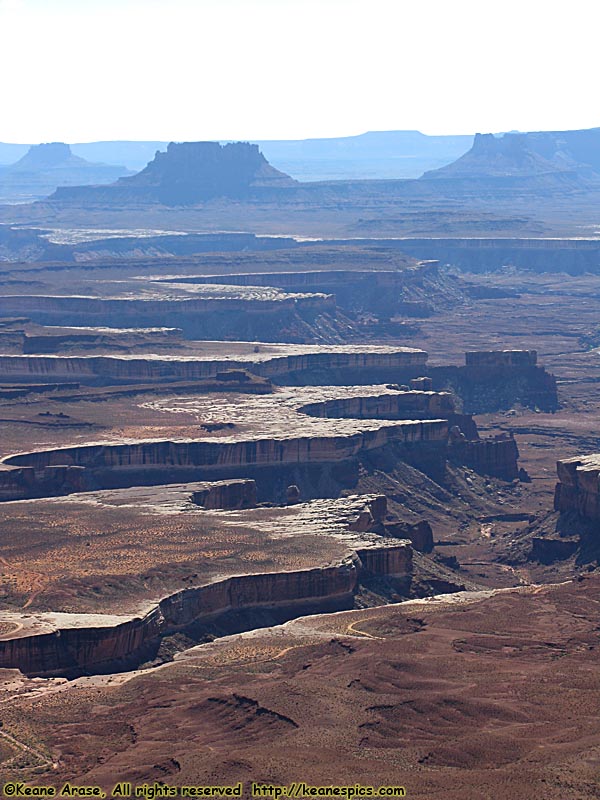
88	70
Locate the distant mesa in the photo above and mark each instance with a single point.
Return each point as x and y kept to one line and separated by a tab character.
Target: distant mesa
490	156
191	173
188	173
376	154
53	154
564	156
47	166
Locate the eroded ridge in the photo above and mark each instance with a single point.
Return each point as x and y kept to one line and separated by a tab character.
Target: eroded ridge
332	543
578	487
252	436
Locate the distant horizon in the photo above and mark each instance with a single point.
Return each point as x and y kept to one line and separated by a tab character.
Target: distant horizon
168	140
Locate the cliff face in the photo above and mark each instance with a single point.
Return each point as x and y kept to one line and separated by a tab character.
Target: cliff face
215	453
226	495
494	456
394	562
70	469
401	405
572	256
73	650
112	308
578	487
190	173
383	292
318	463
51	340
501	358
497	379
269	317
362	367
344	368
226	605
420	534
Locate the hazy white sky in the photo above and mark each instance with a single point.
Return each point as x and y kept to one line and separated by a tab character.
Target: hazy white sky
83	70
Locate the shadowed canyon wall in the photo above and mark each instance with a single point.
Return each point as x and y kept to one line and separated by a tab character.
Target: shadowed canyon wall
573	256
64	470
231	605
319	367
578	487
497	379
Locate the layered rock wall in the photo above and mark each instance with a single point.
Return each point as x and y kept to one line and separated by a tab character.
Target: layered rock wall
497	456
496	380
578	487
73	651
49	340
380	292
199	317
226	495
393	562
420	534
573	256
214	453
56	471
304	367
501	358
133	308
401	405
354	367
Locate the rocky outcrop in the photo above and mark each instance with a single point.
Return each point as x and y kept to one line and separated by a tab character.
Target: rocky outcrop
495	456
159	462
499	158
52	340
572	256
186	174
212	453
10	392
265	315
327	365
412	291
418	533
372	516
73	650
501	358
226	495
550	549
499	379
108	309
292	495
120	369
344	366
394	562
422	384
491	456
400	405
234	604
406	405
578	487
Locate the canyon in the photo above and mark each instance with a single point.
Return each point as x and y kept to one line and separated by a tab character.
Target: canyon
267	487
81	641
